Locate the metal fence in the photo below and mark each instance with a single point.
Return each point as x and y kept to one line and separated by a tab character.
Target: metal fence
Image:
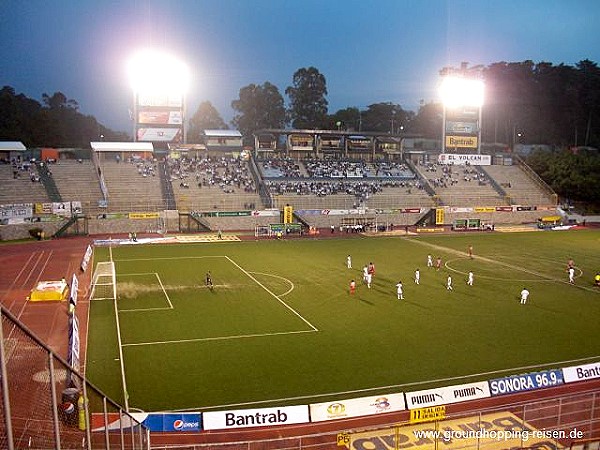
549	423
46	405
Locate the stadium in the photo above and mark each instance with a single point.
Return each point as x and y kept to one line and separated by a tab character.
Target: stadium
158	294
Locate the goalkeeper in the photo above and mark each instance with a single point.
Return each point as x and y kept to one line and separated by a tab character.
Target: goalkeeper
208	280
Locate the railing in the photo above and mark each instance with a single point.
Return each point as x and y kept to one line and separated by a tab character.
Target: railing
547	423
48	405
536	179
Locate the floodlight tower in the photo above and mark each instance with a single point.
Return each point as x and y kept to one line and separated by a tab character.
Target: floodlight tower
462	99
159	82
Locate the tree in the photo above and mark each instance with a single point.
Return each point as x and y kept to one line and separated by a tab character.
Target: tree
348	119
258	107
428	121
55	123
206	117
308	105
575	176
58	100
384	118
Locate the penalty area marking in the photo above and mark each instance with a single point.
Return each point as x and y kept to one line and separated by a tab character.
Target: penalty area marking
232	337
162	288
272	294
281	278
219	338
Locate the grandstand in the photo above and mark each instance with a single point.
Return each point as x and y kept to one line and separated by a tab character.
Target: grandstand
520	187
77	180
326	177
133	186
21	184
209	184
461	185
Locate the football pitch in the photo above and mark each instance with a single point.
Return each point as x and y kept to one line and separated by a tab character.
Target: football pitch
281	328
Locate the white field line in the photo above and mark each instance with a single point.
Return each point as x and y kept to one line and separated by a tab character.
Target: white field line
121	359
292	287
120	342
272	294
161	286
500	263
397	386
219	338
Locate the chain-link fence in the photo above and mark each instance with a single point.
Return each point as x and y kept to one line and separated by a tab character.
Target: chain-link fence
46	405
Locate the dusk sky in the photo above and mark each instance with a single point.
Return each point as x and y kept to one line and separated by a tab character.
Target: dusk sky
369	51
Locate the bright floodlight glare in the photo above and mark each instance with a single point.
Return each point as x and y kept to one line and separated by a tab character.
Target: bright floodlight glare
457	92
153	72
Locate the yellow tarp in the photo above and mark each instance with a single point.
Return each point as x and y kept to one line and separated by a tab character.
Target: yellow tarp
551	219
50	291
496	431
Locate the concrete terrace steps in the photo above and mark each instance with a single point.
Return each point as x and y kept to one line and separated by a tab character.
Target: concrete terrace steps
129	191
22	189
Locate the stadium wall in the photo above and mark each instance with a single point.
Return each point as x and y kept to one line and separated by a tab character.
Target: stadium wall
21	231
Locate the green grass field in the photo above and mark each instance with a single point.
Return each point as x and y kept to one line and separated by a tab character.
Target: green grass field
281	328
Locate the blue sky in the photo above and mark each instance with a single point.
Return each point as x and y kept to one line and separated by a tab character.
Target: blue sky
368	51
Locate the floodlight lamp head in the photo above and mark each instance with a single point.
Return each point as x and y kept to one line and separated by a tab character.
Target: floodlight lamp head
457	92
154	72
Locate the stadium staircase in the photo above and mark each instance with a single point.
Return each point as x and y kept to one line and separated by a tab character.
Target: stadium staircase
193	223
499	189
76	225
263	191
166	187
424	181
304	223
48	182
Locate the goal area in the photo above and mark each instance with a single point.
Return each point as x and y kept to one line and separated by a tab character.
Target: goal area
104	282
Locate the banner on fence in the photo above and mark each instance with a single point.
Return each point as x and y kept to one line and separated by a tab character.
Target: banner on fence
430	414
581	373
263	417
356	407
74	289
86	258
526	382
447	395
173	422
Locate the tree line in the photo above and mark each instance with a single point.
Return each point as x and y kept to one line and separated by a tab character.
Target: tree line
56	122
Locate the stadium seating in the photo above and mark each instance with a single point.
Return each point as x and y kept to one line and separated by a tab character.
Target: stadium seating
341	184
520	188
213	184
77	180
20	184
132	186
461	185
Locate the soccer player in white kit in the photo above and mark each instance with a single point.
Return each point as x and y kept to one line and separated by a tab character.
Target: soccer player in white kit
368	280
399	290
429	261
470	279
349	262
365	273
524	296
571	275
449	283
417	276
